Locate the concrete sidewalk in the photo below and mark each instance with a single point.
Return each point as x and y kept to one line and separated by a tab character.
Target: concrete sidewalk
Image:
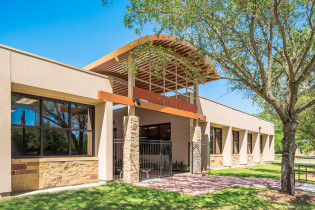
198	185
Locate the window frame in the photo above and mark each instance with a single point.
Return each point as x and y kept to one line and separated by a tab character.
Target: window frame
69	128
250	143
236	142
215	141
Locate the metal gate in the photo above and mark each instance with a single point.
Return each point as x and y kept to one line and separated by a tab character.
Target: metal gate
155	159
199	156
118	148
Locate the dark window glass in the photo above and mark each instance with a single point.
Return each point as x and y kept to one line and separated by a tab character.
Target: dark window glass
153	132
249	143
236	142
56	142
81	141
165	131
25	141
215	140
25	110
143	132
55	114
40	121
81	117
156	132
261	144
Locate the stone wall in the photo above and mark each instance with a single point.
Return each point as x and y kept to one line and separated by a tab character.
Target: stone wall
250	159
216	161
236	160
131	149
195	150
41	173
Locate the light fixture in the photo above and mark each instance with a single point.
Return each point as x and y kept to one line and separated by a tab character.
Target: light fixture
26	101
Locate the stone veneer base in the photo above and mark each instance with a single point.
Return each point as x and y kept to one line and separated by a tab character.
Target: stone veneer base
42	173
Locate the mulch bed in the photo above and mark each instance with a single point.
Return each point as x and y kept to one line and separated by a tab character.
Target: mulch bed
278	196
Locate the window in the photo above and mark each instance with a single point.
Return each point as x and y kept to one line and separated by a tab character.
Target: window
48	127
156	132
236	142
151	135
215	140
261	144
249	143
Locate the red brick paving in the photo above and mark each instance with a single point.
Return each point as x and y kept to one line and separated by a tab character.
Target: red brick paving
197	185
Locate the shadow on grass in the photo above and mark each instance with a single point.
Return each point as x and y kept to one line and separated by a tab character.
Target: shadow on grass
119	195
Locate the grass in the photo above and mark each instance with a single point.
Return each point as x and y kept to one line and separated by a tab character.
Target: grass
268	170
123	196
296	158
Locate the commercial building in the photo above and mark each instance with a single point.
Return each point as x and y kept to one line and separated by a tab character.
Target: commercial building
60	126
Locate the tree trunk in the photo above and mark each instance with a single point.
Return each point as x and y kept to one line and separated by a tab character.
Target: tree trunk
288	153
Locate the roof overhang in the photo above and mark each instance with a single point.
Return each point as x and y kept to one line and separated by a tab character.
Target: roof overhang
112	65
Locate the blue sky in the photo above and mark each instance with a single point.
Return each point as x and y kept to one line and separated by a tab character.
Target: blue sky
78	32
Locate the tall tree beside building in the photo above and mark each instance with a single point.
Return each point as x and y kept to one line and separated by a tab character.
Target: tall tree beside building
264	48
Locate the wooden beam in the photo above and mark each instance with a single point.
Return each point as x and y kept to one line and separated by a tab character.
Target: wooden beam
105	96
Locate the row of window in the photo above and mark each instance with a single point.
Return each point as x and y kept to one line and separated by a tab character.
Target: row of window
216	142
48	127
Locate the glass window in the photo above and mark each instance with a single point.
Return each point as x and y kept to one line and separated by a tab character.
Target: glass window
25	141
55	114
81	141
165	131
81	117
215	140
156	132
250	143
236	142
25	110
40	121
56	142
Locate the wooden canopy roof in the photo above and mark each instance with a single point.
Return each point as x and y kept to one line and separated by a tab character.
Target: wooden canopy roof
112	65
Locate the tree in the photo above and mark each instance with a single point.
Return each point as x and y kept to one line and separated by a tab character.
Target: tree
264	48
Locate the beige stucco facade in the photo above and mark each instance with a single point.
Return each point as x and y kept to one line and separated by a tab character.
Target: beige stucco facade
220	116
27	73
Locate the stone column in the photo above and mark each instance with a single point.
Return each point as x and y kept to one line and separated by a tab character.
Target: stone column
195	149
131	162
256	152
243	147
227	146
5	122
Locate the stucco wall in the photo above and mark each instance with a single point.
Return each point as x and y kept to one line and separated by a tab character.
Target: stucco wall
5	122
28	73
220	114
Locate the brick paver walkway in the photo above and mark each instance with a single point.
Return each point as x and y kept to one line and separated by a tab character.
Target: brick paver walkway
198	185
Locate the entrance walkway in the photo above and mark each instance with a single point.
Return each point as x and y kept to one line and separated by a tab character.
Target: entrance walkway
197	185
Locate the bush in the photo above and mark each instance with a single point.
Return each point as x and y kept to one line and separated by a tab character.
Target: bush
180	167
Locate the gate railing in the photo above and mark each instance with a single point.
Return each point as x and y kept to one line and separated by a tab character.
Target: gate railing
118	148
305	173
155	157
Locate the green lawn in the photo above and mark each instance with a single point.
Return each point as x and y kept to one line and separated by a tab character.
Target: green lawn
268	170
123	196
307	159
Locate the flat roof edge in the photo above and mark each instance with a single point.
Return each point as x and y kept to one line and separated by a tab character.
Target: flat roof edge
235	109
52	61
